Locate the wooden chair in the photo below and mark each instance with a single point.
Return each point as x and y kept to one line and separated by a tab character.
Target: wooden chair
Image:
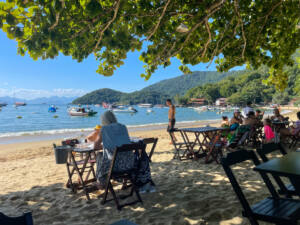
181	148
25	219
255	136
294	139
238	141
127	175
272	210
287	190
152	141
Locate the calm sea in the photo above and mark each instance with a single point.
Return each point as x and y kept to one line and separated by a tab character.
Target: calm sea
36	119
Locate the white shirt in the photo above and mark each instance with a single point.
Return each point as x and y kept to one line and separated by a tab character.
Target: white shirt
246	110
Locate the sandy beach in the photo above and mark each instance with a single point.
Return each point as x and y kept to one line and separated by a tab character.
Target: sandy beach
188	192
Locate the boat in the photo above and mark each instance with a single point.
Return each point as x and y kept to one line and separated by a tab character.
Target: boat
159	106
106	105
20	104
52	108
3	104
145	105
81	111
128	110
149	111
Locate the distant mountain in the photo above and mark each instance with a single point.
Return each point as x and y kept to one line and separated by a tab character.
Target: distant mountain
181	84
10	100
155	93
99	96
49	100
112	96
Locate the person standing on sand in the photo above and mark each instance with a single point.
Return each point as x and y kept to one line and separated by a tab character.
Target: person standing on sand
171	116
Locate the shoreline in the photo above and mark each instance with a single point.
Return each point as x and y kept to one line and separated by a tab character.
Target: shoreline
49	135
36	136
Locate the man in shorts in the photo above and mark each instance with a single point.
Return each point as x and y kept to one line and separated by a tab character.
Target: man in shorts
171	116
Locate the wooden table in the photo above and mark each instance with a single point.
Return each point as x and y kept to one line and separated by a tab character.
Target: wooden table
84	165
286	166
208	135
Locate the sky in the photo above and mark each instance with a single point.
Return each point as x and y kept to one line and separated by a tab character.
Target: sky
22	77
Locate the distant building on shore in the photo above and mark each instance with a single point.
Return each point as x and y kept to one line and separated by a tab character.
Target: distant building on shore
221	102
198	101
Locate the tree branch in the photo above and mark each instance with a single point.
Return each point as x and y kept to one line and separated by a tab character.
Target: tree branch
265	21
208	40
107	25
236	6
57	16
159	20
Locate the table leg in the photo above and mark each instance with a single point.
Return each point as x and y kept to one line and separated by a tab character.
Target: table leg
80	173
201	145
269	184
296	183
212	150
189	146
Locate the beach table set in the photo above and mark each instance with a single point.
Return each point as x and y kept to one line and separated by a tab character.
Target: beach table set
286	166
274	209
199	146
80	159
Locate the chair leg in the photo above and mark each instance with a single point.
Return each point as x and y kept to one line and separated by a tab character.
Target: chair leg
134	189
253	221
114	196
105	194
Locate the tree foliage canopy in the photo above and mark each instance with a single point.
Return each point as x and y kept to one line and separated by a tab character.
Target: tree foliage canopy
233	32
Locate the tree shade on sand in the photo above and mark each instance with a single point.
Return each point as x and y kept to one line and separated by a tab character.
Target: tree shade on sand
231	32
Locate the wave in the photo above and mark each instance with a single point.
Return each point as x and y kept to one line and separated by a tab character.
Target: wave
42	132
75	130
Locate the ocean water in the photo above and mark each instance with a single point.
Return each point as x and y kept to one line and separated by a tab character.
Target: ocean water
37	120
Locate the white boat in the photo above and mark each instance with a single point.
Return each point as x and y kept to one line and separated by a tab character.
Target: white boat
80	111
159	106
20	104
149	111
128	110
145	105
201	108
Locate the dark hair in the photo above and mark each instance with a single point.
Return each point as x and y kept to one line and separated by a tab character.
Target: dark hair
169	100
251	113
224	117
249	103
298	115
268	121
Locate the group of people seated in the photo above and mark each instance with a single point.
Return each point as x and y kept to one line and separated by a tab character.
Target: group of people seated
110	136
249	119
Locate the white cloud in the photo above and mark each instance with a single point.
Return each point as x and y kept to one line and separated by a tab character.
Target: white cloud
36	93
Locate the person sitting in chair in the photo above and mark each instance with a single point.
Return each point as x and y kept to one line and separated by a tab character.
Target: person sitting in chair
250	120
277	116
236	120
269	134
113	135
291	130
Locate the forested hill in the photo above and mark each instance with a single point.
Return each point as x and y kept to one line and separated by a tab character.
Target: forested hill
155	93
248	86
179	85
99	96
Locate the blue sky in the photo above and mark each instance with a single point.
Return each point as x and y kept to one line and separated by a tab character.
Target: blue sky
24	77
